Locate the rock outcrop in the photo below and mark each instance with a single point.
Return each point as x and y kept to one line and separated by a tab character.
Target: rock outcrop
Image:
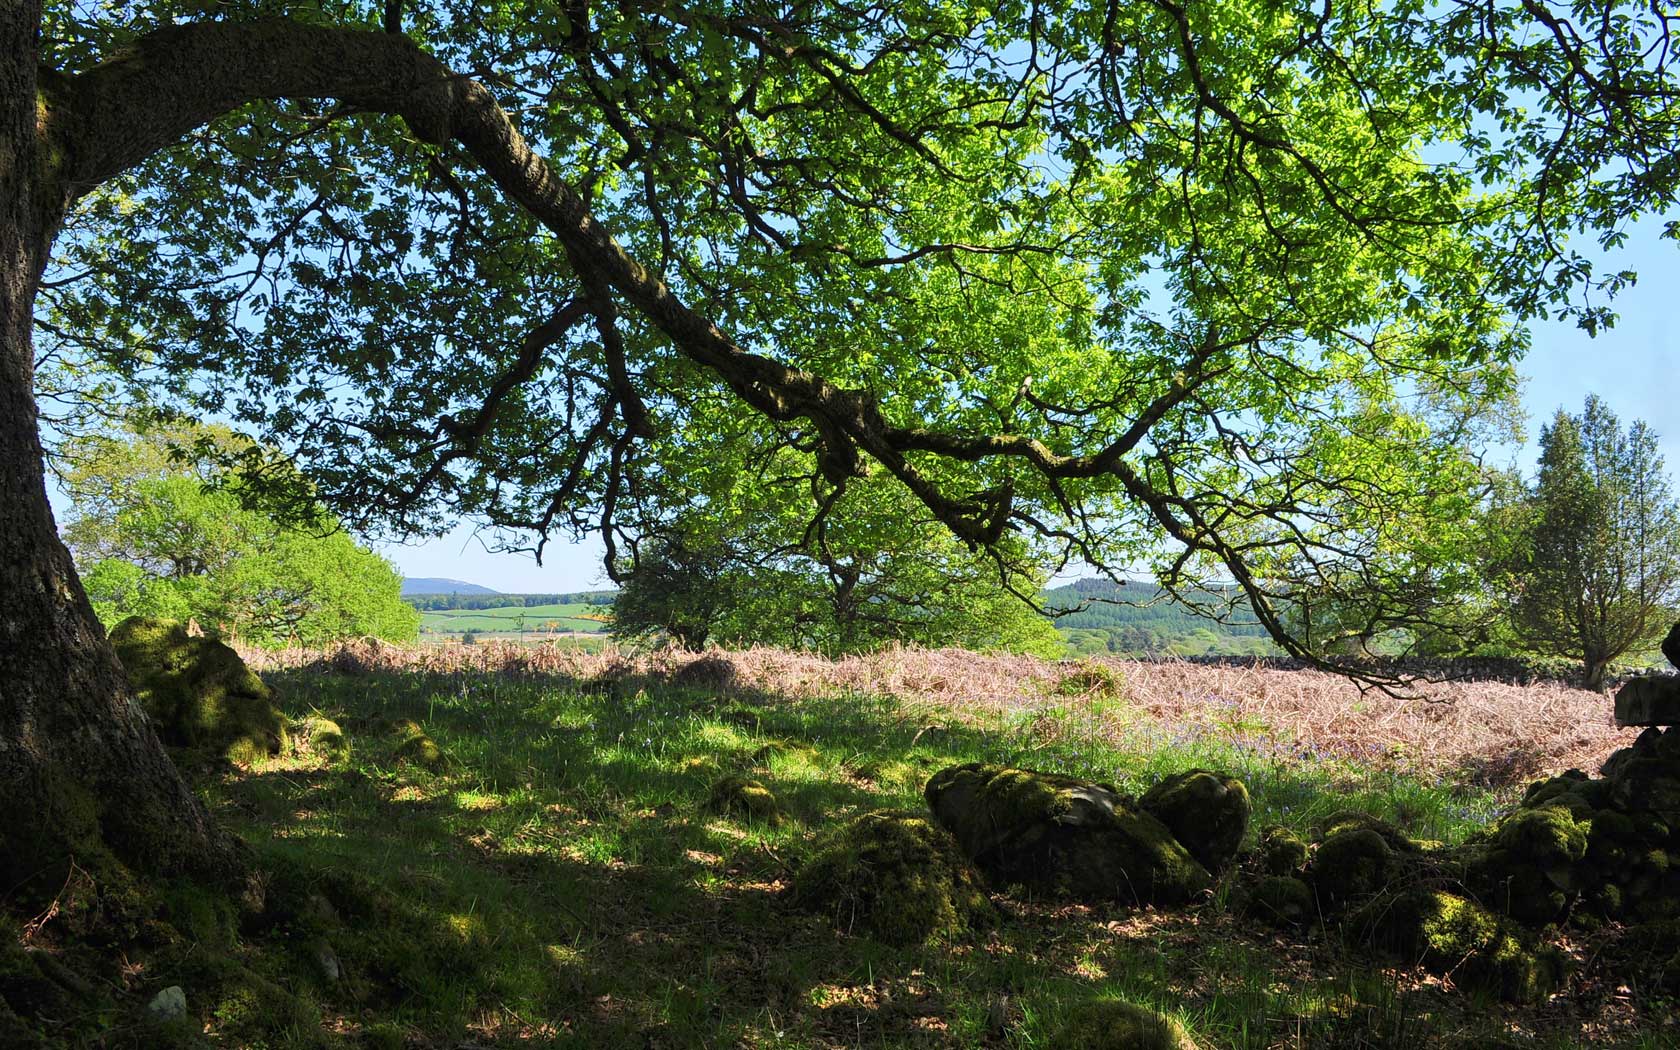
1063	835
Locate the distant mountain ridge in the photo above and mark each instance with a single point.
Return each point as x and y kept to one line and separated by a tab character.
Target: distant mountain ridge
438	585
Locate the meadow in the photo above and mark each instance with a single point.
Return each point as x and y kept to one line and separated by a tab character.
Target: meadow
546	872
516	620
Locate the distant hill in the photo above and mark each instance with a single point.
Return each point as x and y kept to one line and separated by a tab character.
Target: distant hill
1150	624
435	585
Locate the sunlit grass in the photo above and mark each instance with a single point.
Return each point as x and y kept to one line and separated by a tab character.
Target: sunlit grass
556	878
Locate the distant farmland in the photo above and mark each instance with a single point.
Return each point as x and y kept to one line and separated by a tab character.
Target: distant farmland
521	619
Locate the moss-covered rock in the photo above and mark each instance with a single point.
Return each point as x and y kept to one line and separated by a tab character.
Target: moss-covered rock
1532	869
1549	835
1205	811
1114	1024
1649	785
1282	900
704	767
1062	835
896	876
743	797
412	744
1352	863
197	691
1450	934
1282	852
323	737
1358	820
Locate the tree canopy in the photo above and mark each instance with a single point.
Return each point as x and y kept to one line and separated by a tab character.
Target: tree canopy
168	536
1140	284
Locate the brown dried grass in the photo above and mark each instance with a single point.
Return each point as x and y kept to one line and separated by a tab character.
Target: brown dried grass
1491	733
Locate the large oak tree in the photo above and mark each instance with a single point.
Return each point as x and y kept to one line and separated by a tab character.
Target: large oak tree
1138	282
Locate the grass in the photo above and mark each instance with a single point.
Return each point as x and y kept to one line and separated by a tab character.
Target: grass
556	878
524	619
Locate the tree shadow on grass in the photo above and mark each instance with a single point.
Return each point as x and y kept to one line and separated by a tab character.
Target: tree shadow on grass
558	879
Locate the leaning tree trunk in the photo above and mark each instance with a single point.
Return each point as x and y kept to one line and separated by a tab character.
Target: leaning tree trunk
82	776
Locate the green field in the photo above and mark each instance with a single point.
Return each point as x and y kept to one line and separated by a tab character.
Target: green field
532	619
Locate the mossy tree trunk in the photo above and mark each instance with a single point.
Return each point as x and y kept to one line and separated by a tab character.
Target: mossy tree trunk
82	775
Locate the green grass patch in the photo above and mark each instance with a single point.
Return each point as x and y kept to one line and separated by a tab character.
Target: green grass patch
520	619
562	875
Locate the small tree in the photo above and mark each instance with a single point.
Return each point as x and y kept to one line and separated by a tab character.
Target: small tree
1600	571
169	535
679	586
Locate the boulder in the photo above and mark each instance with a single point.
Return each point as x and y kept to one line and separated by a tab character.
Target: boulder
1206	812
1449	934
1531	869
168	1004
324	737
740	796
1063	835
1352	862
1282	900
1282	852
1113	1024
896	876
1671	645
415	746
1359	820
1650	701
1648	785
712	671
197	691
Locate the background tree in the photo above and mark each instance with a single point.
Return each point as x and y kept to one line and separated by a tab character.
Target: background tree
1102	277
1599	575
680	586
159	531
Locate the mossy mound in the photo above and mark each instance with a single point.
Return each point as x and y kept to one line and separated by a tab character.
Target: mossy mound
743	797
1352	863
896	876
1113	1024
785	751
1450	934
197	691
1358	820
1532	866
412	744
1062	835
703	766
1282	852
1283	900
1205	811
323	737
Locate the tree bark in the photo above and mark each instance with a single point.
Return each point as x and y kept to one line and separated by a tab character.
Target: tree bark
83	777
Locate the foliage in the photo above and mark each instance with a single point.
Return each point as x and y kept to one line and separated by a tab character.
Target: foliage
865	579
1153	285
164	533
1139	619
1599	573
